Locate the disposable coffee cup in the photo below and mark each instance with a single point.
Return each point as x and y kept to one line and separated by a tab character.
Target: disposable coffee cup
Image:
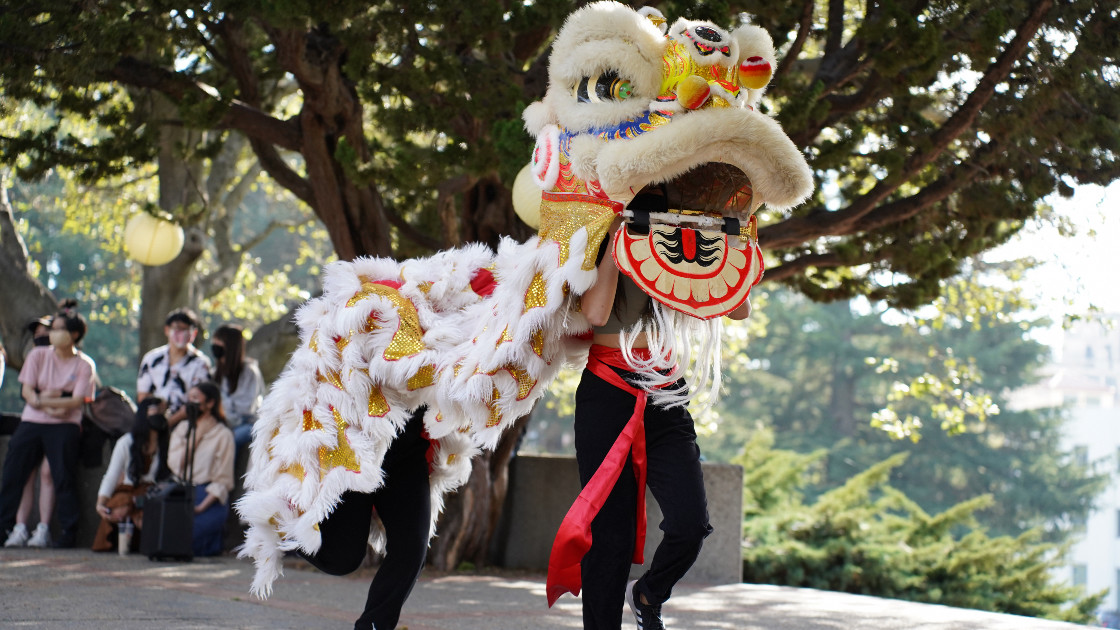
124	537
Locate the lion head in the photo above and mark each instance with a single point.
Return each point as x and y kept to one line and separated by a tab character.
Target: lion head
658	123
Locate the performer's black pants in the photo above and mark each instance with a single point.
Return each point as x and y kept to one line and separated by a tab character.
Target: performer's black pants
403	504
26	449
676	481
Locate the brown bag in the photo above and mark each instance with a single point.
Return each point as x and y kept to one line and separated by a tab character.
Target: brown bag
121	504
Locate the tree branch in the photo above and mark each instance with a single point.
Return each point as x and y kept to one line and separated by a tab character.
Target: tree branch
408	231
798	265
818	223
273	164
804	26
239	115
272	226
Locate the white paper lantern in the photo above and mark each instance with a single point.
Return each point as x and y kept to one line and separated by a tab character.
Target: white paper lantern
151	240
527	198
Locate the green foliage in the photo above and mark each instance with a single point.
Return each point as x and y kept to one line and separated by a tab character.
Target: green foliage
829	376
930	147
865	537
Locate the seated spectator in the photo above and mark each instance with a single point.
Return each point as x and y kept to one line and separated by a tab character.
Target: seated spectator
56	380
139	459
169	371
240	380
213	465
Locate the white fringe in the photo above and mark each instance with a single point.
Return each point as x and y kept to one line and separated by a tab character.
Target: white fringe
679	344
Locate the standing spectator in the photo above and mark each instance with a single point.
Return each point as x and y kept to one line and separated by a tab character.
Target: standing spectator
240	380
171	370
56	381
40	330
213	465
139	459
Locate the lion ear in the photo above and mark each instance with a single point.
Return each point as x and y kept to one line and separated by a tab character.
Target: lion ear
757	59
537	116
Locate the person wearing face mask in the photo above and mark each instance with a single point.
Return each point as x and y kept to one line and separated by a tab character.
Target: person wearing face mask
169	371
213	465
56	380
240	380
40	330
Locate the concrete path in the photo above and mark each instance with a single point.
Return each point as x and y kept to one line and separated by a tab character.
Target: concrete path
81	590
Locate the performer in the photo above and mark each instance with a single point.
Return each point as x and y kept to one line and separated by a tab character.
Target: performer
608	397
404	506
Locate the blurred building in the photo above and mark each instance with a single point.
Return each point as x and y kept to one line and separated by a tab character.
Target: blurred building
1083	379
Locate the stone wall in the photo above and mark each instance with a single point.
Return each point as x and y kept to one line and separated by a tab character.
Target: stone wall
542	488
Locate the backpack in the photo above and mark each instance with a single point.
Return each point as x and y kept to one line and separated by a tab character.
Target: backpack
112	411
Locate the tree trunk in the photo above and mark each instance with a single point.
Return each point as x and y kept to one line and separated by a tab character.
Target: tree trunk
27	298
470	516
272	345
167	287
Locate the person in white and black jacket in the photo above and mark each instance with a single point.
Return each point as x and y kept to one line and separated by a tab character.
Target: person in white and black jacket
169	371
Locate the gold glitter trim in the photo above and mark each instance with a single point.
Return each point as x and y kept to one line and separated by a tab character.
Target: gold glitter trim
342	454
535	296
562	215
407	340
295	470
342	342
504	338
424	377
536	342
313	343
495	414
332	376
451	457
309	421
525	383
378	405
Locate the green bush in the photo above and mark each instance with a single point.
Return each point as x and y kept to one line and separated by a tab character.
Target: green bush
865	537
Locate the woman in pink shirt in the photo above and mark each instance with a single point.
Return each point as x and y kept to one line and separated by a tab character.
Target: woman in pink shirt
56	380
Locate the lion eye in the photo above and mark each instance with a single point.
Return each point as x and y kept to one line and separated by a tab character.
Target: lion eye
605	86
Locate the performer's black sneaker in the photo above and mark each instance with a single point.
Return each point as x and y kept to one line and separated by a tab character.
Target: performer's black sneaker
648	616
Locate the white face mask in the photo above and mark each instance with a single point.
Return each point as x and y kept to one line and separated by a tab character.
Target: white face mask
180	338
61	339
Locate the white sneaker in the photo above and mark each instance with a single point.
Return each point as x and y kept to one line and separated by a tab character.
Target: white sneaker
18	537
41	537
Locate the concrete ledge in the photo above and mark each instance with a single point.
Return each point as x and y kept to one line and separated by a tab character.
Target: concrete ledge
543	487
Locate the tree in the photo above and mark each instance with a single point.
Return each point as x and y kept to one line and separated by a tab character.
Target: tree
866	537
937	128
821	372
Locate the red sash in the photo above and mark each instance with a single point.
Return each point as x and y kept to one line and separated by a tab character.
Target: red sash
574	536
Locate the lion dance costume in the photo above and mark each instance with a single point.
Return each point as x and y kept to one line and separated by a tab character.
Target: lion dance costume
635	111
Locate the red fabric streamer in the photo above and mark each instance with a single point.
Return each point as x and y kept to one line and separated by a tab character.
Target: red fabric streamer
574	536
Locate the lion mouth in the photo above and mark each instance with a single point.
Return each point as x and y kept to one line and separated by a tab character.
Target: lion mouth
714	189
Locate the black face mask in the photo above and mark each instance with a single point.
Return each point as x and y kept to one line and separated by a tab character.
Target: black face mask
44	340
218	351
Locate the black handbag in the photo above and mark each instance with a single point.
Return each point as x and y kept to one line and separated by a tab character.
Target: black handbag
169	512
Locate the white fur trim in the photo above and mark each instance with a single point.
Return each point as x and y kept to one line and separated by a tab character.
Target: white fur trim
545	165
751	141
473	346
